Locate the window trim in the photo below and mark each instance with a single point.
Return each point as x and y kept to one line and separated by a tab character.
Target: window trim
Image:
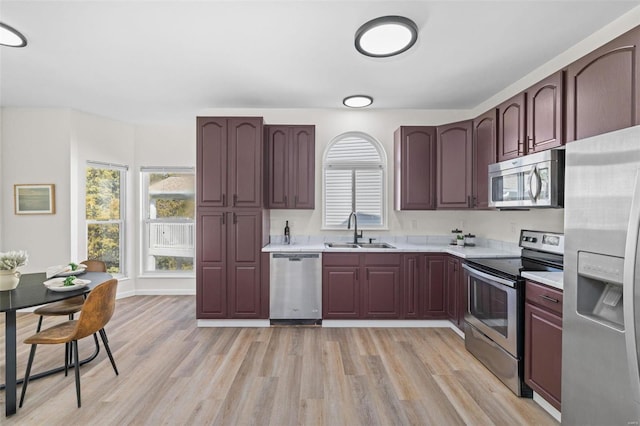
145	221
382	165
123	169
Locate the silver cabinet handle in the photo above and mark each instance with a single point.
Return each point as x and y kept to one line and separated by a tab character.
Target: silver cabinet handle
549	299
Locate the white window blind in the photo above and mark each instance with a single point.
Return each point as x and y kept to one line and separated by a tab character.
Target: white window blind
354	181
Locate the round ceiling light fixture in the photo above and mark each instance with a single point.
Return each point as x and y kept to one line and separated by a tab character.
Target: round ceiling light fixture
11	37
386	36
357	101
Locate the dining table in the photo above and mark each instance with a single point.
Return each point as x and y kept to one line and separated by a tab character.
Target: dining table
29	293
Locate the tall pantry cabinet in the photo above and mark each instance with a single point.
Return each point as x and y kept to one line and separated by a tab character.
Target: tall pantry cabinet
231	223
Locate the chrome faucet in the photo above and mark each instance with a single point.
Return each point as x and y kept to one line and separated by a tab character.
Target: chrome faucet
355	227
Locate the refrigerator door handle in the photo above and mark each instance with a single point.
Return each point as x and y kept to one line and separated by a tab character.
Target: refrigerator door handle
629	281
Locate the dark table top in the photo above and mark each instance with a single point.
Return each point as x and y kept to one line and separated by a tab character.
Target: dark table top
31	292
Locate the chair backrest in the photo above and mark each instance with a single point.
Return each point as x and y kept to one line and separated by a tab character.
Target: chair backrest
97	310
95	265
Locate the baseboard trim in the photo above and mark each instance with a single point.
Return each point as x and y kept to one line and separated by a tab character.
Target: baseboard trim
233	323
547	407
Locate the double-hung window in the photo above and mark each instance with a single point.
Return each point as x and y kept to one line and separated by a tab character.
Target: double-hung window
354	176
168	208
105	218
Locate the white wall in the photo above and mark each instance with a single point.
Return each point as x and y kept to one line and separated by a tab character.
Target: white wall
158	146
35	150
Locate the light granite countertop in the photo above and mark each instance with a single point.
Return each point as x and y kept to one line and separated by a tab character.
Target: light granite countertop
552	279
401	246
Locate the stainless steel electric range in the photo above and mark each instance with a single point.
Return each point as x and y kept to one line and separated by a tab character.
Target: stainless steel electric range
494	320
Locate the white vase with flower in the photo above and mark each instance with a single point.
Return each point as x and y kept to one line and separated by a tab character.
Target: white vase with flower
9	263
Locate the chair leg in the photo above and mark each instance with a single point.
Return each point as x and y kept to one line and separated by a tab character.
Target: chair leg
77	368
103	335
39	324
32	353
67	354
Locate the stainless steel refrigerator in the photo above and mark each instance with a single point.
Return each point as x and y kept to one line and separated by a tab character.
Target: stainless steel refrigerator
600	380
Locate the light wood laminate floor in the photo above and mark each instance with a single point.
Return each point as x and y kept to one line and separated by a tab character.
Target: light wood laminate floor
172	372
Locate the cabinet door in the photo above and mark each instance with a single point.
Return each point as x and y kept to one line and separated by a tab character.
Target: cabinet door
211	282
452	288
340	292
302	169
454	152
484	153
545	102
244	289
278	164
381	292
603	89
543	353
245	161
212	161
411	286
511	128
415	168
433	295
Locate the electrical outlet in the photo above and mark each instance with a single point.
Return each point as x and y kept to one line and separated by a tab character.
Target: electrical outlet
513	227
414	224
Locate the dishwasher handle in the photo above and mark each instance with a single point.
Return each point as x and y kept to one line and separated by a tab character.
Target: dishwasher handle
296	257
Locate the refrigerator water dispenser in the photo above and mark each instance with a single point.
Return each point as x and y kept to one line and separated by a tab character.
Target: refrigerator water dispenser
600	289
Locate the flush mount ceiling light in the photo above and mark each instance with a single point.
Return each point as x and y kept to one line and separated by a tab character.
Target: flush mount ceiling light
11	37
386	36
357	101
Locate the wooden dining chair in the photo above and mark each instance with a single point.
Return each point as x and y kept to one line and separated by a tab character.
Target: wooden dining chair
96	312
71	306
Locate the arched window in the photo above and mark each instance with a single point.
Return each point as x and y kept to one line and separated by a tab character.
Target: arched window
354	177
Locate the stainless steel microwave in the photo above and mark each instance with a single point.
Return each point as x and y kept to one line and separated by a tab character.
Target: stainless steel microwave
535	180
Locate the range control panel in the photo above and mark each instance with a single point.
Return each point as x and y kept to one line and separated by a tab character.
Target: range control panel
550	242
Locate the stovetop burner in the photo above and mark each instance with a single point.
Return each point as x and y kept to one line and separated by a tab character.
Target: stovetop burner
541	252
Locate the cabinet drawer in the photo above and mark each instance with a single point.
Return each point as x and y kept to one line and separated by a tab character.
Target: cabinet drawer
392	259
544	296
342	259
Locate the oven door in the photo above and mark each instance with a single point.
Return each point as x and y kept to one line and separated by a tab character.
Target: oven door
493	308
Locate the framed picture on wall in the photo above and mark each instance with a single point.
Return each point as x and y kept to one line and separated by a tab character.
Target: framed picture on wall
34	198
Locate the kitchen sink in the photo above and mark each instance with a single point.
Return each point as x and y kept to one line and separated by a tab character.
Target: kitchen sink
342	245
376	245
360	245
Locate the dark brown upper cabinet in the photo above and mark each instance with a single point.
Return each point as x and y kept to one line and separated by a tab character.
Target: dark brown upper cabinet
454	165
512	127
230	157
414	168
484	153
545	102
290	166
603	88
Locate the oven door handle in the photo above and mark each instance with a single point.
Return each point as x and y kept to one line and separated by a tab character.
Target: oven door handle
489	277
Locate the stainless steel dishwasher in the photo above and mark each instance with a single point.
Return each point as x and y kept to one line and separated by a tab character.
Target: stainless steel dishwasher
295	288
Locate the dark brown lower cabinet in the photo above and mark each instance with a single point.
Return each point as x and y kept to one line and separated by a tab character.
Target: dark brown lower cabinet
453	278
361	286
229	279
423	286
543	341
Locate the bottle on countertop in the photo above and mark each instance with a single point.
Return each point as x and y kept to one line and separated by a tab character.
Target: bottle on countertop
287	236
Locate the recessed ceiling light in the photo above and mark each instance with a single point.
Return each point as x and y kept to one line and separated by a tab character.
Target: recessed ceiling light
357	101
386	36
11	37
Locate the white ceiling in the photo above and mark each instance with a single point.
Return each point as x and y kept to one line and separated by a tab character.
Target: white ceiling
140	61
